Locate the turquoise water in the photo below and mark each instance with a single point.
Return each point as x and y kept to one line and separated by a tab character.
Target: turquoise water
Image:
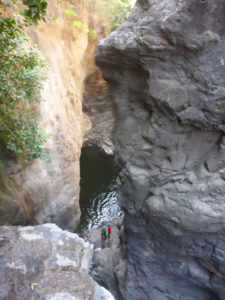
98	195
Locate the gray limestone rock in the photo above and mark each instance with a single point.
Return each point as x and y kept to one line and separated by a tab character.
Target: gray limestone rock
165	69
46	263
109	263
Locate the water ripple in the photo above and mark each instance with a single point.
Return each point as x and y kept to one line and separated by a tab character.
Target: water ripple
98	196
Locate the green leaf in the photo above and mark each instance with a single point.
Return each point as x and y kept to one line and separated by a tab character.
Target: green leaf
55	18
86	29
93	34
77	23
70	12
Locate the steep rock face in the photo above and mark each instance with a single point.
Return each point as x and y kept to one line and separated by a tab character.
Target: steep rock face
46	263
54	187
109	262
16	204
165	68
97	105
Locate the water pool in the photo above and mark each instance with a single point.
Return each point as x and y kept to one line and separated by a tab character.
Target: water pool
98	194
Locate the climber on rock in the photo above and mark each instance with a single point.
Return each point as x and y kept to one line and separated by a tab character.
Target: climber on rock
120	213
103	233
109	230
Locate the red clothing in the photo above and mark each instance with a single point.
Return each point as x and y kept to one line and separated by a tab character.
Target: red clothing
109	229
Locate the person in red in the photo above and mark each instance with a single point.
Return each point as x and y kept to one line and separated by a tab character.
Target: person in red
109	230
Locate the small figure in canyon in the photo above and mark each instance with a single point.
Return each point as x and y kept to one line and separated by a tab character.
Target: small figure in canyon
109	230
103	233
120	213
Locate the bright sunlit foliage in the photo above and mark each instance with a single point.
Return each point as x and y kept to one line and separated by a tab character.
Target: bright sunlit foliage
115	12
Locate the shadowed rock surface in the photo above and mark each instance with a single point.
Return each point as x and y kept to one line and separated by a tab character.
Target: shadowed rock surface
46	263
109	263
165	68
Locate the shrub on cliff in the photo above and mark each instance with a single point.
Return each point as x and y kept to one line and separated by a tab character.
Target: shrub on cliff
118	11
115	12
21	79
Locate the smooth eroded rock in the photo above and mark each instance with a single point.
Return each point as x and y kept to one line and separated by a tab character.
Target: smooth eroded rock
165	69
46	263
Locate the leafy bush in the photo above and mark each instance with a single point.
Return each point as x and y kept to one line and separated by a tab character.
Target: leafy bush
115	12
21	79
70	12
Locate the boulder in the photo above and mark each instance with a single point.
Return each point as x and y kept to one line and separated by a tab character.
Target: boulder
46	263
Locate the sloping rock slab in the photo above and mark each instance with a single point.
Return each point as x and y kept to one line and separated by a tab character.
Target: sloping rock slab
46	263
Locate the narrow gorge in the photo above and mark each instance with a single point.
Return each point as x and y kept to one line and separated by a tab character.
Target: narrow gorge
155	100
45	261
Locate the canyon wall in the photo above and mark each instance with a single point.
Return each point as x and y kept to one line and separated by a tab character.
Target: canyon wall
165	69
97	105
52	189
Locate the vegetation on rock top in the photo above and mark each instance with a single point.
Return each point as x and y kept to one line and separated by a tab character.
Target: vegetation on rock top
113	12
21	79
22	69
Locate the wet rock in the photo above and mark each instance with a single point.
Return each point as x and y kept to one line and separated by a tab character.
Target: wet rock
107	147
165	68
46	263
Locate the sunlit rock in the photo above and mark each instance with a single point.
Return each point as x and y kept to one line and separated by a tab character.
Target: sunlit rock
52	189
47	263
